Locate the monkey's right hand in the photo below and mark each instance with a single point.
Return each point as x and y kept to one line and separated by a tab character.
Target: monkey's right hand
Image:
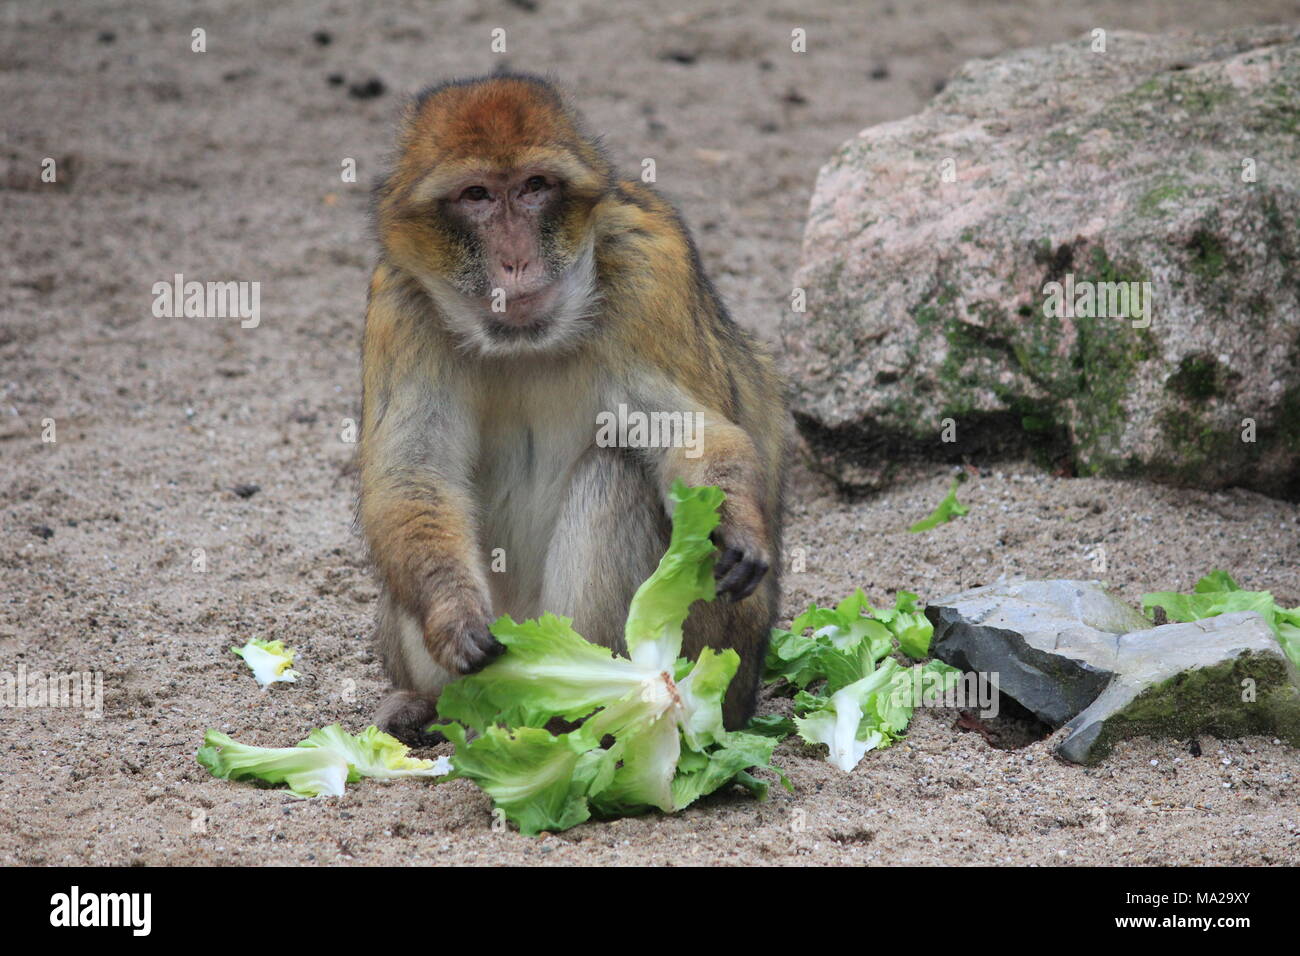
462	645
741	564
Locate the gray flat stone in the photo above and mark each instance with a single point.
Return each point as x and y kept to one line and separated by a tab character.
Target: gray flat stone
1051	643
1075	656
1225	676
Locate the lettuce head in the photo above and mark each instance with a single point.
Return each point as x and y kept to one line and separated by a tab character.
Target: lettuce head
650	731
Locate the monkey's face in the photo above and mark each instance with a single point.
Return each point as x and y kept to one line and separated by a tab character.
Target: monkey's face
491	209
523	272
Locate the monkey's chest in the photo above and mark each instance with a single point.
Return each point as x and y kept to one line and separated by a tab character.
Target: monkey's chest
531	443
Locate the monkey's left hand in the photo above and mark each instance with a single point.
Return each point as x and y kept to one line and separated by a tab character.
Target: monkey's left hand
741	564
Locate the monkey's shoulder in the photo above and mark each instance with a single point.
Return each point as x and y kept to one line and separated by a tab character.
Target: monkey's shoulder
399	332
634	219
670	294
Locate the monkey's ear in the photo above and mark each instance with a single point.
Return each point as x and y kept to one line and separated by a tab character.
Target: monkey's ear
407	123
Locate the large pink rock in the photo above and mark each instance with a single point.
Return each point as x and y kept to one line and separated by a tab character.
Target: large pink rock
1170	164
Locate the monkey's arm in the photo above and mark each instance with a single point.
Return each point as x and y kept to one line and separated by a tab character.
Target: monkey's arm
416	507
723	454
670	319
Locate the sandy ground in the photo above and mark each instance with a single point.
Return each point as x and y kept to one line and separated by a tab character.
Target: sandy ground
225	165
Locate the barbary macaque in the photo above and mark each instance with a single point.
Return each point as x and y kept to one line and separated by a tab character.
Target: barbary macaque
523	292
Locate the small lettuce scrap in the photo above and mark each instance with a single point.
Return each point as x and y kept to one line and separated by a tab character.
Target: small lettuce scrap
864	698
948	509
1217	593
271	661
319	765
651	732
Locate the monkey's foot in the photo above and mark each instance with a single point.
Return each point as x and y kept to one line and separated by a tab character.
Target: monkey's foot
405	714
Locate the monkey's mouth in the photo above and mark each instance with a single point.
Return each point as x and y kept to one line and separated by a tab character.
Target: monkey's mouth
525	313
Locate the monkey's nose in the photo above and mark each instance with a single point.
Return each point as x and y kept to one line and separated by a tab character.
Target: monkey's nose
516	268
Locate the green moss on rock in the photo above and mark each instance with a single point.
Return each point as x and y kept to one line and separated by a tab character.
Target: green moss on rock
1210	700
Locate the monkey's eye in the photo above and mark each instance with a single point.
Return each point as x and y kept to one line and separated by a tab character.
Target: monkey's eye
534	184
475	194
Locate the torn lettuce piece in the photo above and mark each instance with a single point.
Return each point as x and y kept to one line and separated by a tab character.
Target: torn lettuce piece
649	758
1288	633
651	734
852	696
375	754
771	725
685	574
909	626
321	764
701	692
792	657
308	773
844	646
869	713
889	710
1217	593
847	641
948	508
550	670
736	753
842	724
535	778
271	661
937	680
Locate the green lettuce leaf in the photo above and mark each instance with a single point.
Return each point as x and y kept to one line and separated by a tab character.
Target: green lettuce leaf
937	679
771	725
948	509
1217	593
852	696
736	753
845	645
375	754
320	764
644	777
792	657
1288	633
847	641
869	713
701	692
685	575
550	670
845	724
536	778
308	773
910	626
